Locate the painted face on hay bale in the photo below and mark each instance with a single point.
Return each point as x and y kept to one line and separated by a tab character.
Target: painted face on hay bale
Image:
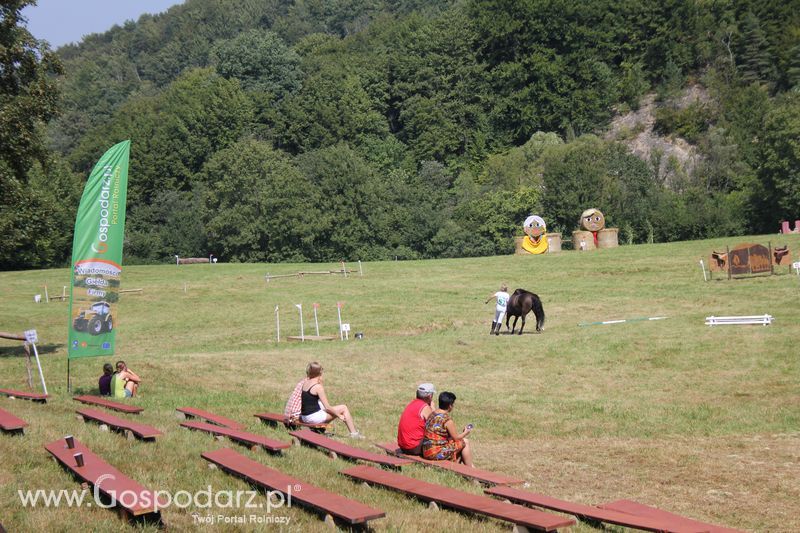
593	220
534	227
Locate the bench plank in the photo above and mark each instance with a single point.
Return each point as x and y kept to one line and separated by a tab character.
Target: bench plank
108	404
484	476
591	513
210	417
349	452
345	509
462	501
140	430
640	509
113	483
11	423
250	439
33	396
276	418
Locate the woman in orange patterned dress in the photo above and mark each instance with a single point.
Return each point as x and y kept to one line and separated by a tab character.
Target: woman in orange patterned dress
441	441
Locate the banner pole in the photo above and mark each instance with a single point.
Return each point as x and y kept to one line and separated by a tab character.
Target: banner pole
316	322
69	385
39	364
278	322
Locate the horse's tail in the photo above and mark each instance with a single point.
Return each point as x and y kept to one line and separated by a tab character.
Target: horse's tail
538	311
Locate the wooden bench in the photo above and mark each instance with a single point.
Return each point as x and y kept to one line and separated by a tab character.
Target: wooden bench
32	396
131	498
130	429
589	513
274	419
336	448
191	412
11	424
108	404
483	476
251	440
334	506
642	510
523	518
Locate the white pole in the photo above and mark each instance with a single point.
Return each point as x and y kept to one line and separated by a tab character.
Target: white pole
339	312
39	364
46	297
302	334
316	323
278	323
360	271
177	260
703	266
344	269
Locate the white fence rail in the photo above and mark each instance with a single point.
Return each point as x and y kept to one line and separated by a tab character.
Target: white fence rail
763	320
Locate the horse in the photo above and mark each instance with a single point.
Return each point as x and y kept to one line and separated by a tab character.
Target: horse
520	304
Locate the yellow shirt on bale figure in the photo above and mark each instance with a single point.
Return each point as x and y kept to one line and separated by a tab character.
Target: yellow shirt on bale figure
535	240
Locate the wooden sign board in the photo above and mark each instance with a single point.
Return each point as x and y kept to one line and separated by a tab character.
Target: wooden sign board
748	259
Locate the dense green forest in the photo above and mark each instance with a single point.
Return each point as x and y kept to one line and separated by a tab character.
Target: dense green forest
316	130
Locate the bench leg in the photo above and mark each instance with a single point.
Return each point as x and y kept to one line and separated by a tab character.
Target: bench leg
329	521
254	448
333	455
295	441
219	437
433	506
103	427
212	466
180	416
79	417
519	529
129	435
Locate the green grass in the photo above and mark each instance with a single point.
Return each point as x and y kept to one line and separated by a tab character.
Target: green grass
702	421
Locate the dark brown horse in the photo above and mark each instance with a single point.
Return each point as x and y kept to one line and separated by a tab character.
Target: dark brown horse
520	304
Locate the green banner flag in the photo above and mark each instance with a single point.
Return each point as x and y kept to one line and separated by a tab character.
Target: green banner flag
97	256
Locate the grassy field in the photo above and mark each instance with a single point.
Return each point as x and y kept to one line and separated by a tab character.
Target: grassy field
701	421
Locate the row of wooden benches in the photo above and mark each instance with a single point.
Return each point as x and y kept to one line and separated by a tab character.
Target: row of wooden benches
512	507
620	513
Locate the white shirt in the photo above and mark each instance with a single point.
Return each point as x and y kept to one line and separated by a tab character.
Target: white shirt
502	300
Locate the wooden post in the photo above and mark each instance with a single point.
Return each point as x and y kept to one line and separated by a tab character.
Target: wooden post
771	262
728	252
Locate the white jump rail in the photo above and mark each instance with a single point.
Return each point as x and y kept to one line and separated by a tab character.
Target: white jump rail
763	320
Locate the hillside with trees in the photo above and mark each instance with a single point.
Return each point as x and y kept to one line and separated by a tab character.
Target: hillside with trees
371	129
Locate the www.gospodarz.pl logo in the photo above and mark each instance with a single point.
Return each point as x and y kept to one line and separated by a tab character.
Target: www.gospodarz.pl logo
154	501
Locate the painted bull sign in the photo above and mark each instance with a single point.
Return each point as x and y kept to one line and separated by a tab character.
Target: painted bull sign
743	260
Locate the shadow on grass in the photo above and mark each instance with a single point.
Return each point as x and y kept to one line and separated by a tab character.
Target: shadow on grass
19	351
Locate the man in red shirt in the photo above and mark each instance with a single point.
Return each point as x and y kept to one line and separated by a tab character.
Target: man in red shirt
412	422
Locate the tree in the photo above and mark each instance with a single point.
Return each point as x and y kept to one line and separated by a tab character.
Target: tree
260	60
590	172
28	90
756	62
779	164
258	207
35	189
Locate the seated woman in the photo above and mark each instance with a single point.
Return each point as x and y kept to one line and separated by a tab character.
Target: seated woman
315	408
441	441
125	382
105	380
